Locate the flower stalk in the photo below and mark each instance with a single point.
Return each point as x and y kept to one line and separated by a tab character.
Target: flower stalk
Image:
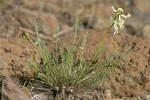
117	23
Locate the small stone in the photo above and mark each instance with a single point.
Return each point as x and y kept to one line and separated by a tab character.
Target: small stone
13	90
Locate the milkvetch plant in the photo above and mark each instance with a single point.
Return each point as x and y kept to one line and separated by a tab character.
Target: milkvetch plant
67	69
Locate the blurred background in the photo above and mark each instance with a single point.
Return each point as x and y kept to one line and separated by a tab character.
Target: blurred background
17	16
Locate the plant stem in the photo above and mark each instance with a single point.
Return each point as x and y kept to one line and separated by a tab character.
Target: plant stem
76	28
57	38
37	33
98	50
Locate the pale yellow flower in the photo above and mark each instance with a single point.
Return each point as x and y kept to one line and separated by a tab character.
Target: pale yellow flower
118	20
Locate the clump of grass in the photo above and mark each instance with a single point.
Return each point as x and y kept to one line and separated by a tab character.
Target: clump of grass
67	69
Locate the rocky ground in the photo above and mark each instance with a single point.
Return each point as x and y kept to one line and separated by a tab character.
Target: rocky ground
131	81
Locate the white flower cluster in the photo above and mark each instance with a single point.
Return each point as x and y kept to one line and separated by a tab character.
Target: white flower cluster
118	21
